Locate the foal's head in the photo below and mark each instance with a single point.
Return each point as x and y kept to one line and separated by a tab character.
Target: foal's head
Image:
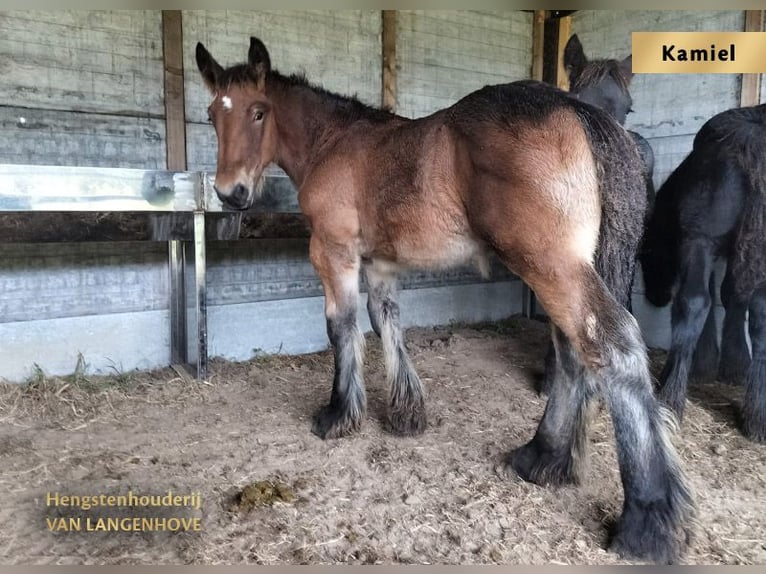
244	126
602	83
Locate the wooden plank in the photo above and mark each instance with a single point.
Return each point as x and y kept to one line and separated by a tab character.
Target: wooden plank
389	59
565	30
50	137
750	94
538	34
172	51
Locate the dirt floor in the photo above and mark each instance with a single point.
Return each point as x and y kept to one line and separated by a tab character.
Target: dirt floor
370	498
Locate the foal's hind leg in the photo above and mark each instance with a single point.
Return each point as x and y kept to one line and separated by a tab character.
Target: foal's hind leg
690	309
407	415
658	506
754	404
556	454
705	359
735	355
551	370
338	268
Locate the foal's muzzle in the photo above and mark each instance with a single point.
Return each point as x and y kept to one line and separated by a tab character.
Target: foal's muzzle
236	199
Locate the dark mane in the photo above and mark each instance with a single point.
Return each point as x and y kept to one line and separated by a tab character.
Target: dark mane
597	71
348	108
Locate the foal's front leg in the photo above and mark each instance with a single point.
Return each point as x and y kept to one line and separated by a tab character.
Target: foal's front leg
338	268
407	414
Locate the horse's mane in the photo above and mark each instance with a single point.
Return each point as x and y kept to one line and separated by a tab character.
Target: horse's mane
597	71
347	108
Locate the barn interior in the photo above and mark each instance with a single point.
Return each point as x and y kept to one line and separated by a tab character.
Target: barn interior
121	90
102	100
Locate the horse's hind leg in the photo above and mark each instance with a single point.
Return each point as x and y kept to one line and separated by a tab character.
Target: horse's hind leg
705	359
688	316
551	370
754	404
556	454
338	268
735	355
407	414
658	505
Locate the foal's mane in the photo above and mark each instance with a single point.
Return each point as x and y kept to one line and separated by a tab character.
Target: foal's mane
596	71
347	108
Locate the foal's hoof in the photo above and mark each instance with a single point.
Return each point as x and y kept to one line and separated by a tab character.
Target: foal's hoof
651	532
542	466
409	419
331	422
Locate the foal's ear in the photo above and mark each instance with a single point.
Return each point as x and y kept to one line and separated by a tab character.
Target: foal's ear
626	67
208	67
258	58
574	58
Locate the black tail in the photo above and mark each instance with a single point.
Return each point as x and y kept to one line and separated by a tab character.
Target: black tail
623	200
660	248
749	257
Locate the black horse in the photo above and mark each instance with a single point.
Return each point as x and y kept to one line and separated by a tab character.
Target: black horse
714	205
604	83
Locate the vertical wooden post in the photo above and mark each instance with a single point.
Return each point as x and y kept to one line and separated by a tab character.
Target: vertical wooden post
389	59
750	92
528	300
565	29
175	120
555	36
538	37
175	141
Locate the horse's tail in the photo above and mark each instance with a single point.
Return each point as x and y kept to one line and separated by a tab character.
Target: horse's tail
749	258
623	200
660	248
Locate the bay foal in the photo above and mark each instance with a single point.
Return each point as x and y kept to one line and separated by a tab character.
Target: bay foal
520	169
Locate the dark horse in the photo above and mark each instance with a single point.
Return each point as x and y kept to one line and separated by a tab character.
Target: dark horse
714	205
604	83
520	169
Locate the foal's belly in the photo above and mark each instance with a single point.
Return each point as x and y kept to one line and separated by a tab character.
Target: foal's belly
431	250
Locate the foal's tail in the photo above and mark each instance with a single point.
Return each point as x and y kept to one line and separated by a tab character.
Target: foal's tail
623	200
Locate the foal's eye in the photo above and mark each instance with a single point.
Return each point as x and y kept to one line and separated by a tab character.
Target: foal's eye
258	115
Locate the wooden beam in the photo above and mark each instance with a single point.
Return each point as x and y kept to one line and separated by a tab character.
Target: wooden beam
538	37
565	30
175	116
750	92
389	59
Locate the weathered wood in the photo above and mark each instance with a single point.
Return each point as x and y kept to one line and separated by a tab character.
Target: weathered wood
172	45
99	61
565	30
52	137
389	58
750	94
538	37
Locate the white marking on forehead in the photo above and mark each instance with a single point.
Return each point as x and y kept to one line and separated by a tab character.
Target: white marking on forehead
226	101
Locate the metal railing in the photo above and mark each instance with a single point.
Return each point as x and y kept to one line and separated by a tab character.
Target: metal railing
32	188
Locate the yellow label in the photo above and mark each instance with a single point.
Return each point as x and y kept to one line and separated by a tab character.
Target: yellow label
699	52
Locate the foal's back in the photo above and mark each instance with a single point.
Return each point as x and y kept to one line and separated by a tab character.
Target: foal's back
475	174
